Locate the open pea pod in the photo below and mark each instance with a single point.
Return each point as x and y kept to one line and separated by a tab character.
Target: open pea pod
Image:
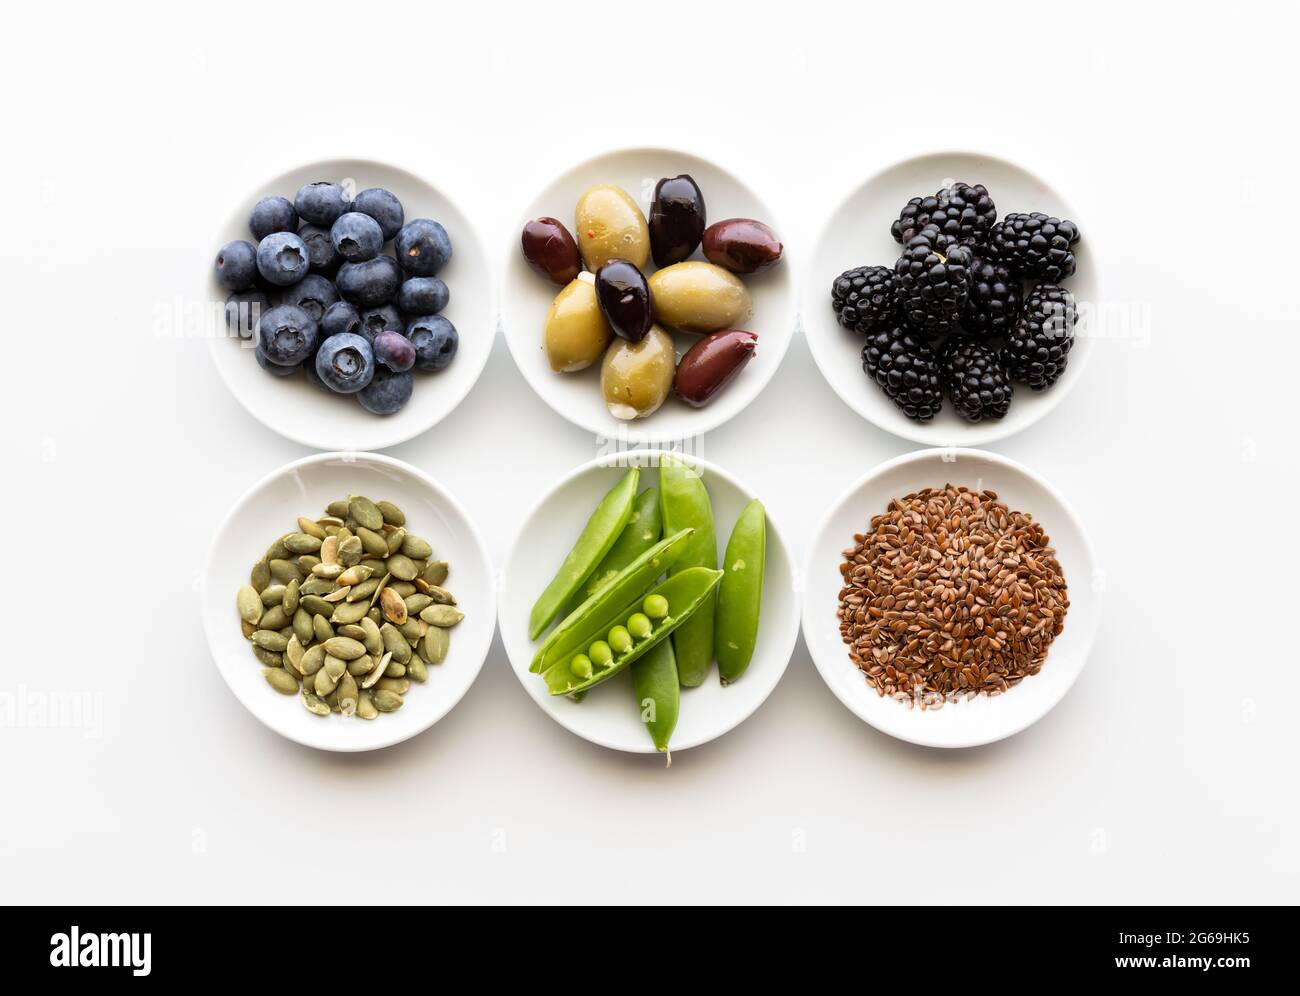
685	592
606	607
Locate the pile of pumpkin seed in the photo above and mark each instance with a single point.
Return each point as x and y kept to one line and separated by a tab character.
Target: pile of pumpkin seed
348	610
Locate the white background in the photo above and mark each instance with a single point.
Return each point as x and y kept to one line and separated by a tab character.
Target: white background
1167	775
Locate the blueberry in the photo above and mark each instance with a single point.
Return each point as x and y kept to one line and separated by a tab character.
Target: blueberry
236	266
321	203
376	320
345	363
387	392
313	377
313	294
357	237
340	317
371	283
435	340
422	247
422	296
384	207
394	350
287	335
274	369
243	309
282	258
321	256
272	214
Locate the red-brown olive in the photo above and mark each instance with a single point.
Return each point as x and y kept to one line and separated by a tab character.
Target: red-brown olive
624	299
741	245
550	250
712	363
676	219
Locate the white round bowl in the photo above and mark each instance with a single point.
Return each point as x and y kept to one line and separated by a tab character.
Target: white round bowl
305	487
983	719
857	234
296	409
527	297
609	715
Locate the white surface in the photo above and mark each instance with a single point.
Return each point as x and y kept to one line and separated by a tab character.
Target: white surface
294	407
1165	775
527	296
609	715
305	487
857	234
984	719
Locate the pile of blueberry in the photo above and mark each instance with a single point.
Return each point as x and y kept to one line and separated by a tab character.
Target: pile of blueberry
323	295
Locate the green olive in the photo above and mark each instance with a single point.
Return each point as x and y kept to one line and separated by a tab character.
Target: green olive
576	333
620	640
639	625
635	378
699	297
656	606
609	225
581	666
600	653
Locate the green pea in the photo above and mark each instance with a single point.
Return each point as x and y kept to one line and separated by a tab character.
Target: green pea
620	639
658	694
642	531
639	625
581	666
656	606
600	653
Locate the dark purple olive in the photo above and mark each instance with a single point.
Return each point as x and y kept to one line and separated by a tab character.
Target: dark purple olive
676	220
741	245
550	250
712	363
624	299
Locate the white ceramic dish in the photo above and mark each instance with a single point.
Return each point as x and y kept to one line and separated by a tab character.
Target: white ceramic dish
857	234
983	719
293	407
527	297
305	487
608	716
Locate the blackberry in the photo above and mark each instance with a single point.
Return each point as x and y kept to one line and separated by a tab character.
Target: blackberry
864	299
973	376
932	278
993	304
1038	346
906	369
1035	245
961	211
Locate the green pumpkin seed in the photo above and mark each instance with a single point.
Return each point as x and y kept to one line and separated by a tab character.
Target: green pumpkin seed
442	615
277	550
395	670
377	671
332	700
321	628
392	606
313	659
377	566
401	567
354	575
395	643
399	685
441	595
344	647
347	694
404	589
338	595
314	703
329	550
249	604
315	586
338	509
372	542
330	572
285	571
361	666
386	701
374	615
416	603
436	572
352	631
268	657
373	640
269	639
273	594
316	605
417	671
310	527
335	666
349	612
308	563
395	539
303	627
274	618
417	548
433	648
365	707
323	683
393	515
365	512
281	680
350	551
291	597
247	628
260	576
293	654
413	629
300	543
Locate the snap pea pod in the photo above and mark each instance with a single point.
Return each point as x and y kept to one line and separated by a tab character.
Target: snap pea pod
685	503
606	607
643	530
658	692
597	537
740	593
686	592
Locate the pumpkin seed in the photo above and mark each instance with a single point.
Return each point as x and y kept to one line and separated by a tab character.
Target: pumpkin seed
386	701
247	628
403	588
395	643
329	550
315	586
416	670
274	618
436	572
249	604
314	704
365	707
277	550
311	528
416	603
377	671
399	685
303	627
417	548
291	597
272	594
281	680
300	543
433	648
373	641
372	542
316	605
260	576
337	595
442	615
268	657
323	683
332	700
338	509
379	590
313	659
347	693
393	515
330	572
349	612
365	512
344	647
352	631
413	629
400	566
350	550
395	539
441	595
269	639
395	670
285	571
354	575
321	628
376	565
361	666
393	607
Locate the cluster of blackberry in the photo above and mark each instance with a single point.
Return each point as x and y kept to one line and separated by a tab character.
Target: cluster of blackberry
972	304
